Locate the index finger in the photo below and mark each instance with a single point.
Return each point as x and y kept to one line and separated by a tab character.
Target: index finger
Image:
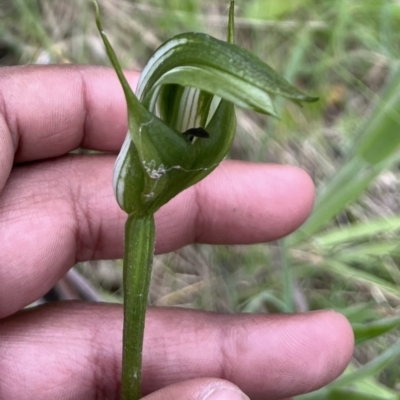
47	111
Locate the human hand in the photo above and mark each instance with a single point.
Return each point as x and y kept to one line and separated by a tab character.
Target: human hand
57	209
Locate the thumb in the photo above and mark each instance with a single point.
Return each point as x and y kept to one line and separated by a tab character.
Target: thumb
199	389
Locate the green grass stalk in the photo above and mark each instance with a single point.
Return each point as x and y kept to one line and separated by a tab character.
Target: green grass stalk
287	278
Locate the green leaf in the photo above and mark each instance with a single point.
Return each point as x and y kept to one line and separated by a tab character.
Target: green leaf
371	330
256	303
369	369
359	383
360	312
350	273
381	138
357	232
354	394
368	252
375	150
273	9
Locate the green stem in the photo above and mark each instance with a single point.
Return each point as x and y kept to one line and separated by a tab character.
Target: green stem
139	249
231	23
287	278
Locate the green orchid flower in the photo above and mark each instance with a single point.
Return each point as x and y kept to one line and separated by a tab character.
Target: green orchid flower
181	124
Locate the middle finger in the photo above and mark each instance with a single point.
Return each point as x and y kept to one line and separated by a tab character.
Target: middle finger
73	351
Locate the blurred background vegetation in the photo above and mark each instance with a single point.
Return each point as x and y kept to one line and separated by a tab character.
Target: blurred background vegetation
346	257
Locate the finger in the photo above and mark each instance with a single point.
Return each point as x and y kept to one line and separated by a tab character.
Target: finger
64	211
73	351
46	111
199	389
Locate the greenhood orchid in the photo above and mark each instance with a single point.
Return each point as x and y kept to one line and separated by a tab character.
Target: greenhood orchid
181	124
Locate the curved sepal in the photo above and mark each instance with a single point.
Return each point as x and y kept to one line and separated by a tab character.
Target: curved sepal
221	68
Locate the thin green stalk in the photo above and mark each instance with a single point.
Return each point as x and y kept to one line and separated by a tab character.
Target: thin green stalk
139	250
231	25
287	278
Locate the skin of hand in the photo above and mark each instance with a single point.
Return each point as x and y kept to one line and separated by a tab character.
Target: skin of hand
57	209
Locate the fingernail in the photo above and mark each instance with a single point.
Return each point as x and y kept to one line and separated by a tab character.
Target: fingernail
225	394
